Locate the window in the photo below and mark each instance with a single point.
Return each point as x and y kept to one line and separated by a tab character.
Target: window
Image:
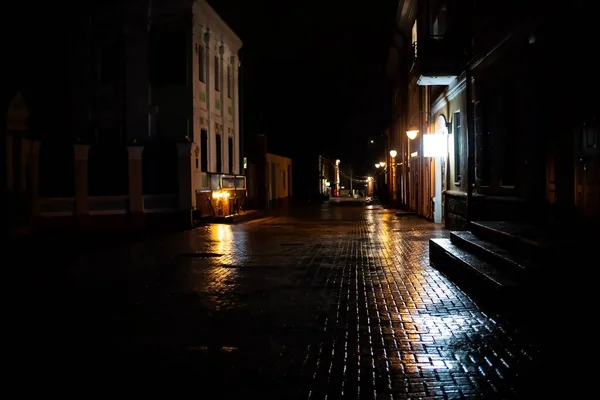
204	150
457	146
438	28
219	153
230	153
201	62
483	167
414	33
414	39
152	124
283	179
217	74
229	81
509	131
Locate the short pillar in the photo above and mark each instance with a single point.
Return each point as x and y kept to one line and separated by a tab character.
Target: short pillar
136	197
184	181
81	152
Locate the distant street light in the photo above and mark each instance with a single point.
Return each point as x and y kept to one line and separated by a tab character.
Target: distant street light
393	153
371	141
377	165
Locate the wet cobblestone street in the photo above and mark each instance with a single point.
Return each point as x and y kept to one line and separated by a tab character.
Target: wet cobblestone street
331	302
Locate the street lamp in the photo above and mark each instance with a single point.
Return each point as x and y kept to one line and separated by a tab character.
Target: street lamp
413	130
337	178
382	164
393	154
378	165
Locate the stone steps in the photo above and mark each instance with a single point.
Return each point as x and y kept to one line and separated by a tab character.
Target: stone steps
499	260
517	266
519	239
460	263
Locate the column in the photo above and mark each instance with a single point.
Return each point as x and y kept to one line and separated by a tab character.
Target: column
35	177
209	66
237	143
81	179
136	197
184	180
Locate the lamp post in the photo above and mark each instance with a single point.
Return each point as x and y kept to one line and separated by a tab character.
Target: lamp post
411	134
337	178
393	154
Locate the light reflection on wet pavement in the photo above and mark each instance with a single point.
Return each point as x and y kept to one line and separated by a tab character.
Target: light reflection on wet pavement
330	302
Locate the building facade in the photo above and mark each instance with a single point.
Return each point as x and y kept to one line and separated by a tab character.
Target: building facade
279	184
217	172
327	177
269	177
142	122
499	132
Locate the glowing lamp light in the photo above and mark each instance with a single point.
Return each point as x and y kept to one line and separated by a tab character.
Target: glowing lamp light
382	164
220	195
393	153
412	133
435	145
377	165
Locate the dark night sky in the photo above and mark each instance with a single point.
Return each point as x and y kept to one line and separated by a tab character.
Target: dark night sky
313	73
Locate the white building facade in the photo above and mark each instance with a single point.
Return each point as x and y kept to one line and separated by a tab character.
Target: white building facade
216	118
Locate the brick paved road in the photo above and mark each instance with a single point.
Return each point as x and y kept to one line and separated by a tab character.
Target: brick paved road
331	302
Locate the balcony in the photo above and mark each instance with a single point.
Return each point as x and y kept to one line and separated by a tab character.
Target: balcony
436	60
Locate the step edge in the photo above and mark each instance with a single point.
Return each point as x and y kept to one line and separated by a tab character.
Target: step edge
517	238
514	260
502	283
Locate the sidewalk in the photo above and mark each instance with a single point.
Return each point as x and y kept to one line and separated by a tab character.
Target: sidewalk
232	219
242	217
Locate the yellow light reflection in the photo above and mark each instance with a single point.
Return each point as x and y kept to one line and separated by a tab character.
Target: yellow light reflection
222	236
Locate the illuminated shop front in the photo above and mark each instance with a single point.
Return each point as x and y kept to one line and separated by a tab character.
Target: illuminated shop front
226	196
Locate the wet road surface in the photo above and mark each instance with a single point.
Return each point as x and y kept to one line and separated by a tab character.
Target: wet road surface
326	302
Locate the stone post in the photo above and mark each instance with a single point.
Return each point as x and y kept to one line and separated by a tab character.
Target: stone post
184	181
81	152
136	198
